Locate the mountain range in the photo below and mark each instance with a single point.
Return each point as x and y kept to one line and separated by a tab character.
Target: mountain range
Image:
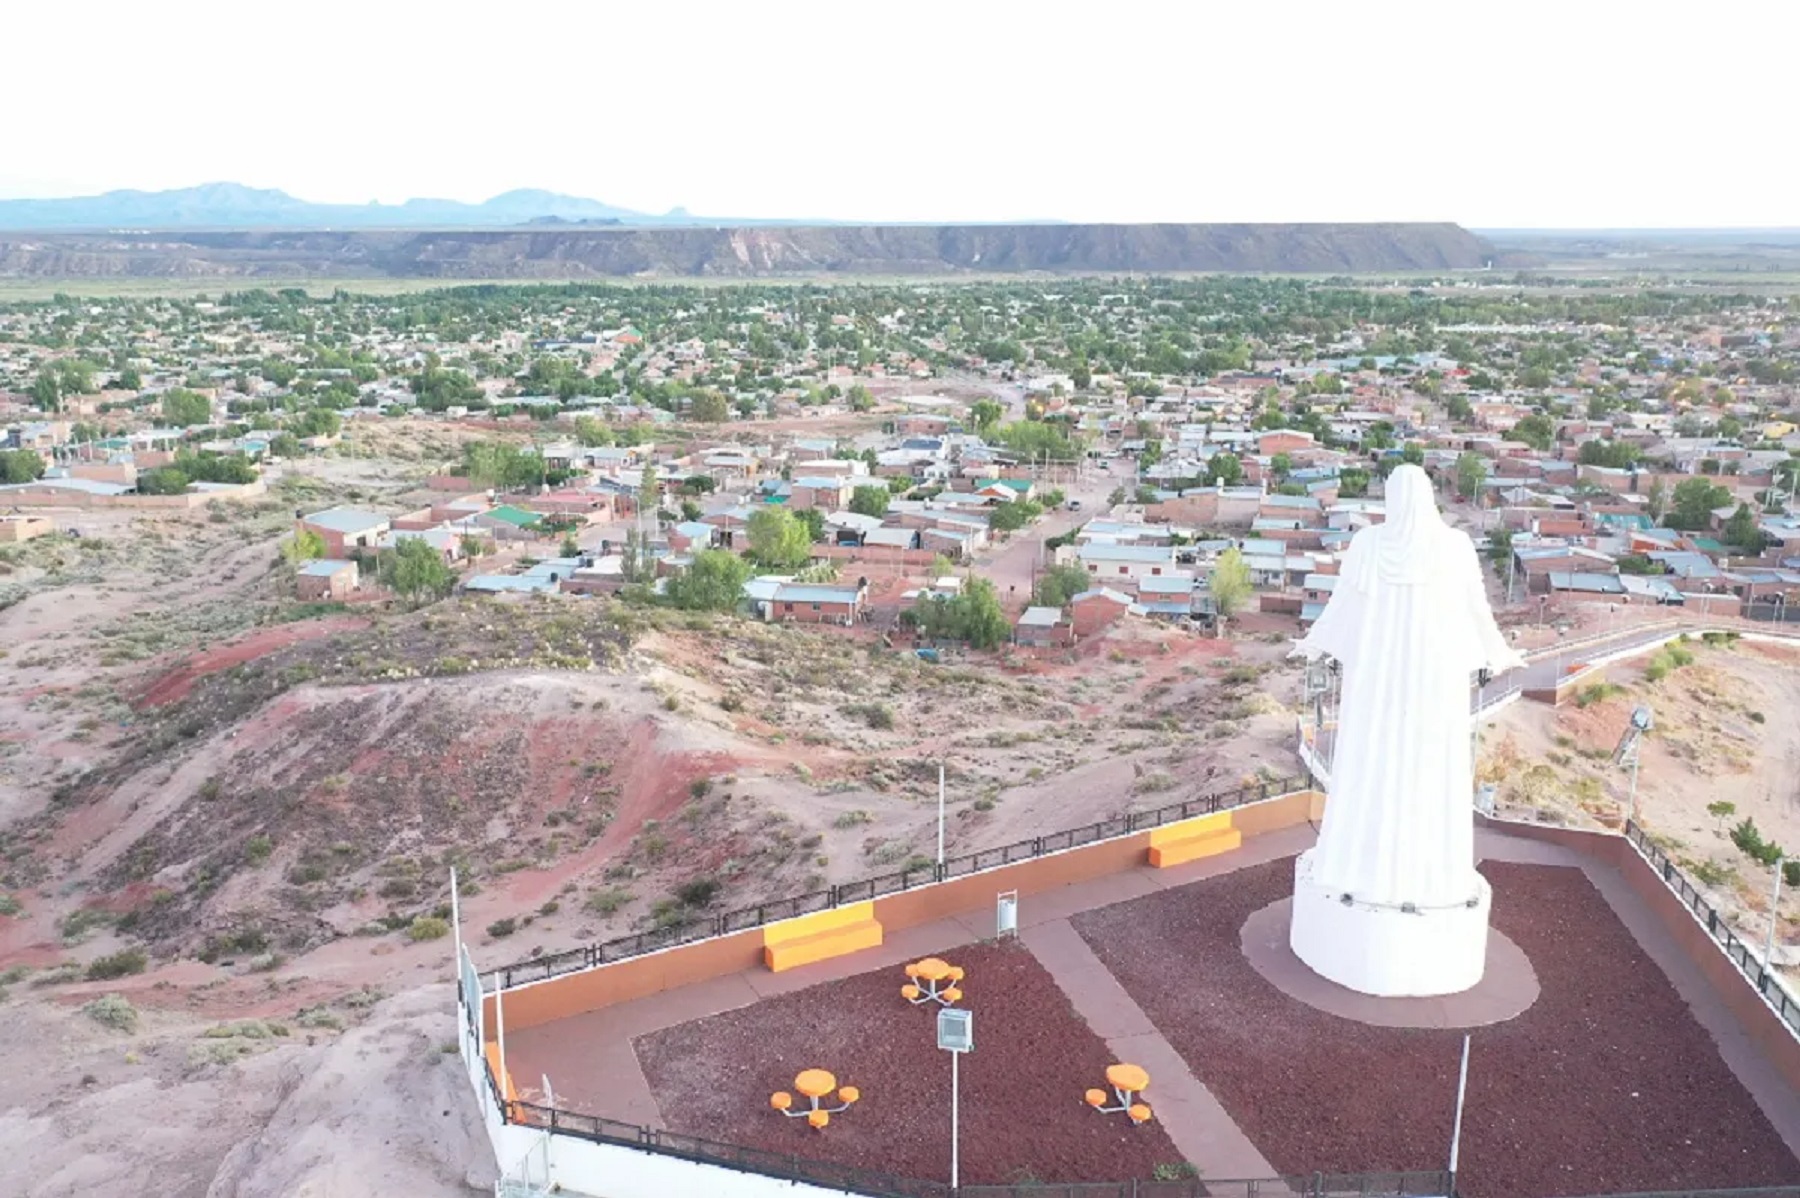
234	206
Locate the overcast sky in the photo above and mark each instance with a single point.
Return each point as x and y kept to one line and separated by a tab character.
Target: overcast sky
1579	113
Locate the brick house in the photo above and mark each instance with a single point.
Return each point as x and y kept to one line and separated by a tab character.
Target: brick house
1093	611
346	529
1125	564
809	603
327	579
1041	626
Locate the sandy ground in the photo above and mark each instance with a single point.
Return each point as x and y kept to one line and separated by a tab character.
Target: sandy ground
377	1108
1725	733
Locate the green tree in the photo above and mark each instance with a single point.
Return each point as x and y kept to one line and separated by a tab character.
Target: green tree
1695	501
1656	499
710	407
860	399
1741	531
714	581
206	467
502	466
164	480
985	414
317	422
46	390
417	571
1081	376
1619	455
1353	482
304	546
778	540
1281	465
182	408
1224	468
1013	515
129	380
649	487
1229	583
591	432
870	501
1412	453
1500	546
1059	584
1471	472
974	615
1459	409
20	466
814	520
1536	431
1721	810
570	547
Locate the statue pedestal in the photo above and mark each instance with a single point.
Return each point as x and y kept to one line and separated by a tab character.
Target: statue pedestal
1385	951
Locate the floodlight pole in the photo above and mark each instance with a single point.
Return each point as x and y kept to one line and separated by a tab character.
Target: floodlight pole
1462	1089
1774	916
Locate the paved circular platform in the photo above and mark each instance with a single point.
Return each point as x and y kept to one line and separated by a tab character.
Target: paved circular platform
1507	988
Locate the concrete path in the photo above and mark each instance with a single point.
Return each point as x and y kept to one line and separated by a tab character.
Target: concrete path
1206	1136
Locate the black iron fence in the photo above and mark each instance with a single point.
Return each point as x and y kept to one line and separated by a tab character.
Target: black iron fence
1755	971
1756	1192
781	1165
789	1167
638	944
1432	1184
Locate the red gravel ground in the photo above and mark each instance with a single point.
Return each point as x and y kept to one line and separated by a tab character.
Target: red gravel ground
1605	1085
176	683
1022	1112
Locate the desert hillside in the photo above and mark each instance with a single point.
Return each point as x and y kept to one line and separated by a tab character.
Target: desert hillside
745	252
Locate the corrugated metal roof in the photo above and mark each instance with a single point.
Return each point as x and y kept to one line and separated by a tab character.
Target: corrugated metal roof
795	592
348	520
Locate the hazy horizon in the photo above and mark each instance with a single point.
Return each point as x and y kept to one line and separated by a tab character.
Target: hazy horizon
1532	116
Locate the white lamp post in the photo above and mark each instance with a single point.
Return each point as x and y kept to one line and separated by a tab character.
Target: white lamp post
955	1035
1774	917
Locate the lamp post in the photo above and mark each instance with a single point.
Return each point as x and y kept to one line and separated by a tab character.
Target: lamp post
955	1035
940	852
1774	916
1462	1089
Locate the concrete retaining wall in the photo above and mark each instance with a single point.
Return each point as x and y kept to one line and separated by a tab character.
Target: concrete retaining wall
537	1003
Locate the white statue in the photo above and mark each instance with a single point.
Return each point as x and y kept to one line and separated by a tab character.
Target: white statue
1389	902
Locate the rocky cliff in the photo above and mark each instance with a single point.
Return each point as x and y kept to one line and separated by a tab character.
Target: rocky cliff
743	252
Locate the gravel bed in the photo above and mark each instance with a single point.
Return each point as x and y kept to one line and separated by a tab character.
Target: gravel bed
1023	1118
1606	1084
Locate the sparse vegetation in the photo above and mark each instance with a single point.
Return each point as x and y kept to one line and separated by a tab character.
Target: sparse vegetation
428	927
117	965
113	1011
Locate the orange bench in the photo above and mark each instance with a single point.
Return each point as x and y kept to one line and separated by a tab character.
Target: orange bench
820	936
1193	839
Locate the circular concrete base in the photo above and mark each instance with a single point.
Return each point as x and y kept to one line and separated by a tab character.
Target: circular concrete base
1507	988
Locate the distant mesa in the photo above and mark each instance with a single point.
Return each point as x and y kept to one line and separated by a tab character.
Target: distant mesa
234	206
